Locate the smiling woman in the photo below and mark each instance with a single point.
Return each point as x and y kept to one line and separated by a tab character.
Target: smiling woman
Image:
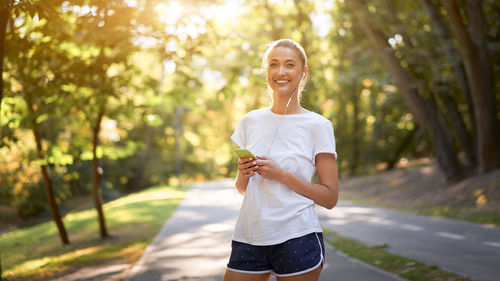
291	143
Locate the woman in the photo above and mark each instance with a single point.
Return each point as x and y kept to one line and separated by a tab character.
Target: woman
277	231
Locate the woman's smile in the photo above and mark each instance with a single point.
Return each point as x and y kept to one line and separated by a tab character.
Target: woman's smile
281	82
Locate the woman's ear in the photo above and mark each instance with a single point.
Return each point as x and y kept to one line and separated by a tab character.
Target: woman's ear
305	72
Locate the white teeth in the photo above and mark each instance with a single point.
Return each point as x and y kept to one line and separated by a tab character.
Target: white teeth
281	81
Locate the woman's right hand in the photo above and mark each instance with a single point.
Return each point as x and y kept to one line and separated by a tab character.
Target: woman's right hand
247	167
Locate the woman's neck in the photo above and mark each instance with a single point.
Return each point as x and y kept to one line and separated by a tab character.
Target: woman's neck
280	103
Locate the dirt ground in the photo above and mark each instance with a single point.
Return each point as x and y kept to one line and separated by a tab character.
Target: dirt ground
423	187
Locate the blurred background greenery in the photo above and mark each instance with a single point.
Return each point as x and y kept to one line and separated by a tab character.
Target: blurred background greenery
108	97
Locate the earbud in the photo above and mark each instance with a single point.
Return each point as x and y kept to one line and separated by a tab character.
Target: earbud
303	75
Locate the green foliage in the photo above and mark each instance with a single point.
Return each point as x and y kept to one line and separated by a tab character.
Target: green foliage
32	201
175	77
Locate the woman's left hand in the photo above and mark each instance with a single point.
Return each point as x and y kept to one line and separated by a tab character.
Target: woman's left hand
268	169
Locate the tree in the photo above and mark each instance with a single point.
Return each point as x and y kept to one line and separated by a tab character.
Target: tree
32	62
108	30
443	33
424	111
475	53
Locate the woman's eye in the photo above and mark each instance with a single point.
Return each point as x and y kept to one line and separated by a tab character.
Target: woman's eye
290	65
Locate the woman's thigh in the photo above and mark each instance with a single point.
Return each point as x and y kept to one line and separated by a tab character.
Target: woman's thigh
238	276
309	276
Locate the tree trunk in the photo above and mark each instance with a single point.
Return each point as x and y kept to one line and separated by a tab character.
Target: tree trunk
461	131
391	163
136	181
479	37
443	34
4	15
355	130
179	111
424	112
486	123
97	171
46	173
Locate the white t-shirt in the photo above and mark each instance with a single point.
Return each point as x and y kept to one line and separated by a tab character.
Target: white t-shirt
271	212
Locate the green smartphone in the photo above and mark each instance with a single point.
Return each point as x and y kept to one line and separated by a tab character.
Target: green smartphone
244	153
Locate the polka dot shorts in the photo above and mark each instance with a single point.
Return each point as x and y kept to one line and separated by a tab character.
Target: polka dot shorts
293	257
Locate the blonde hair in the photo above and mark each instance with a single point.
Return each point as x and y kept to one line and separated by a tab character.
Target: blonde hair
290	44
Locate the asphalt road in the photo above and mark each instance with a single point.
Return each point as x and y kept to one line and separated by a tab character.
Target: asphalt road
465	248
194	244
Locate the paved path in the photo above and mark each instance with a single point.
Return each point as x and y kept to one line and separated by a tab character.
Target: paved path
194	244
466	248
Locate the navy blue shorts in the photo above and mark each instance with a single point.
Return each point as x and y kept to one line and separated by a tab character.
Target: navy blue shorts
293	257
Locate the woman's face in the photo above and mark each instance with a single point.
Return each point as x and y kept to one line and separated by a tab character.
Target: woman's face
284	70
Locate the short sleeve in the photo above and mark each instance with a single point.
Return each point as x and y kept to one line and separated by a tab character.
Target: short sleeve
324	141
239	136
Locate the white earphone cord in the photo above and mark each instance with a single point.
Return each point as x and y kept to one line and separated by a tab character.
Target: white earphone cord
281	118
269	149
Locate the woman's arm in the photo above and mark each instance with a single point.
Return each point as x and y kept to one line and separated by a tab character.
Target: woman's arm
246	169
325	193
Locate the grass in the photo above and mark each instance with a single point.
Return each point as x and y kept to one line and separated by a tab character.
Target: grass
380	257
132	221
491	217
